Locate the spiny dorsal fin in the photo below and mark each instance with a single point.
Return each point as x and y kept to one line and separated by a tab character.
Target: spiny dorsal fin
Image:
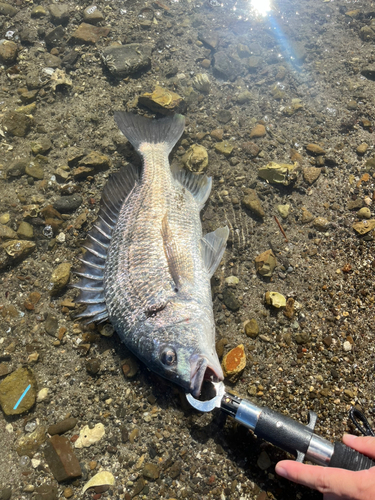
91	272
213	247
199	185
138	129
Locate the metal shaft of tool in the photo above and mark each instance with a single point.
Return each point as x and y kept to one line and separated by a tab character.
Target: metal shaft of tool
292	436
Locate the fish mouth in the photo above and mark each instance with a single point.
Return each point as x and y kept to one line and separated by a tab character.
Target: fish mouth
202	369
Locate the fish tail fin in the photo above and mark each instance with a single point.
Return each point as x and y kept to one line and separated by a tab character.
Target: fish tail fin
138	129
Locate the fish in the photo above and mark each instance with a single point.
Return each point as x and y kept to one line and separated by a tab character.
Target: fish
147	265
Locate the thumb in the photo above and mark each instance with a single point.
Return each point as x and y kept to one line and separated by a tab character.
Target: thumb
339	482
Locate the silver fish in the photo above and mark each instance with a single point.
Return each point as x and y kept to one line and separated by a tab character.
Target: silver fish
147	266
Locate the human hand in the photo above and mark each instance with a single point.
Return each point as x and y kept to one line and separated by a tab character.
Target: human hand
335	484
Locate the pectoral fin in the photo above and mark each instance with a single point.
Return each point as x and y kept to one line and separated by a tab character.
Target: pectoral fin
213	247
172	253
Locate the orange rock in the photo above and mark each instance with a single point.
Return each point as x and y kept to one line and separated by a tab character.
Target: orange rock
234	363
258	131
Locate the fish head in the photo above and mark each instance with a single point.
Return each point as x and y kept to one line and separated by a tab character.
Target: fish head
182	356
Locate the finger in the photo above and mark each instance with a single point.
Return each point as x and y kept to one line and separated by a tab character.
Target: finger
365	445
329	481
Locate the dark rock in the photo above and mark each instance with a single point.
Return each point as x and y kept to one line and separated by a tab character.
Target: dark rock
224	116
59	13
46	492
93	366
127	59
17	124
67	204
150	472
226	67
18	168
69	59
51	324
61	459
63	426
230	300
54	37
208	38
138	487
27	36
175	470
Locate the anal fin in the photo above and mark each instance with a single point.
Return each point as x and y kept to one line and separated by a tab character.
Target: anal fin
213	248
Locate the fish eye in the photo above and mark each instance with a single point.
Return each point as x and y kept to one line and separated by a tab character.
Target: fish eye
168	356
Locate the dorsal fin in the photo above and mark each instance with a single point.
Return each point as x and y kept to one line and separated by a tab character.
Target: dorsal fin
91	272
213	247
199	185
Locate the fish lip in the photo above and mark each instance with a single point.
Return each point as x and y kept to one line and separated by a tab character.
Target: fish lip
202	369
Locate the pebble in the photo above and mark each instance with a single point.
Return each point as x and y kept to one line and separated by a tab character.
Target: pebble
91	164
258	131
5	493
7	9
283	210
93	366
46	492
278	173
347	346
225	148
17	124
311	174
125	60
315	149
364	213
18	168
34	169
42	146
321	223
60	278
42	394
306	216
252	202
150	471
265	263
101	479
59	13
25	231
51	324
250	148
264	461
13	387
67	204
61	459
251	328
29	444
7	233
364	227
161	100
88	437
362	148
230	300
232	280
68	492
92	15
89	34
196	158
8	52
62	426
129	366
38	11
275	299
234	362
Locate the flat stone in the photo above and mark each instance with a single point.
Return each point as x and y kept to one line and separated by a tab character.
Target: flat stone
364	226
46	492
61	459
265	263
41	146
38	11
34	169
89	34
7	10
226	67
5	493
60	278
196	158
150	472
125	60
29	444
161	100
258	131
209	38
234	363
264	461
62	426
17	124
275	299
67	204
253	203
88	437
18	167
7	233
12	389
355	204
8	52
315	149
321	223
306	216
91	164
283	210
55	37
225	148
15	251
311	174
278	173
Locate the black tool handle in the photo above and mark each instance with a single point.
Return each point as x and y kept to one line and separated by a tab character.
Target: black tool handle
346	458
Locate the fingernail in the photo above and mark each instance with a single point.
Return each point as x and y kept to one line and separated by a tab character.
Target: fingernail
281	471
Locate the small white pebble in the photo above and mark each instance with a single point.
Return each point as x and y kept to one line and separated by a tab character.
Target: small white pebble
347	346
42	394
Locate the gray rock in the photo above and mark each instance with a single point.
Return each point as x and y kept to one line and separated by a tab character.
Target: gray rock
7	10
5	493
18	168
17	124
67	204
230	300
62	426
51	324
125	60
59	13
46	492
54	37
264	461
226	67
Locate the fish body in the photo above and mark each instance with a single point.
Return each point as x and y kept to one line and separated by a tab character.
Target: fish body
148	267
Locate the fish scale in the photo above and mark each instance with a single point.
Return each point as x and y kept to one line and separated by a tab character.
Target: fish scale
147	266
